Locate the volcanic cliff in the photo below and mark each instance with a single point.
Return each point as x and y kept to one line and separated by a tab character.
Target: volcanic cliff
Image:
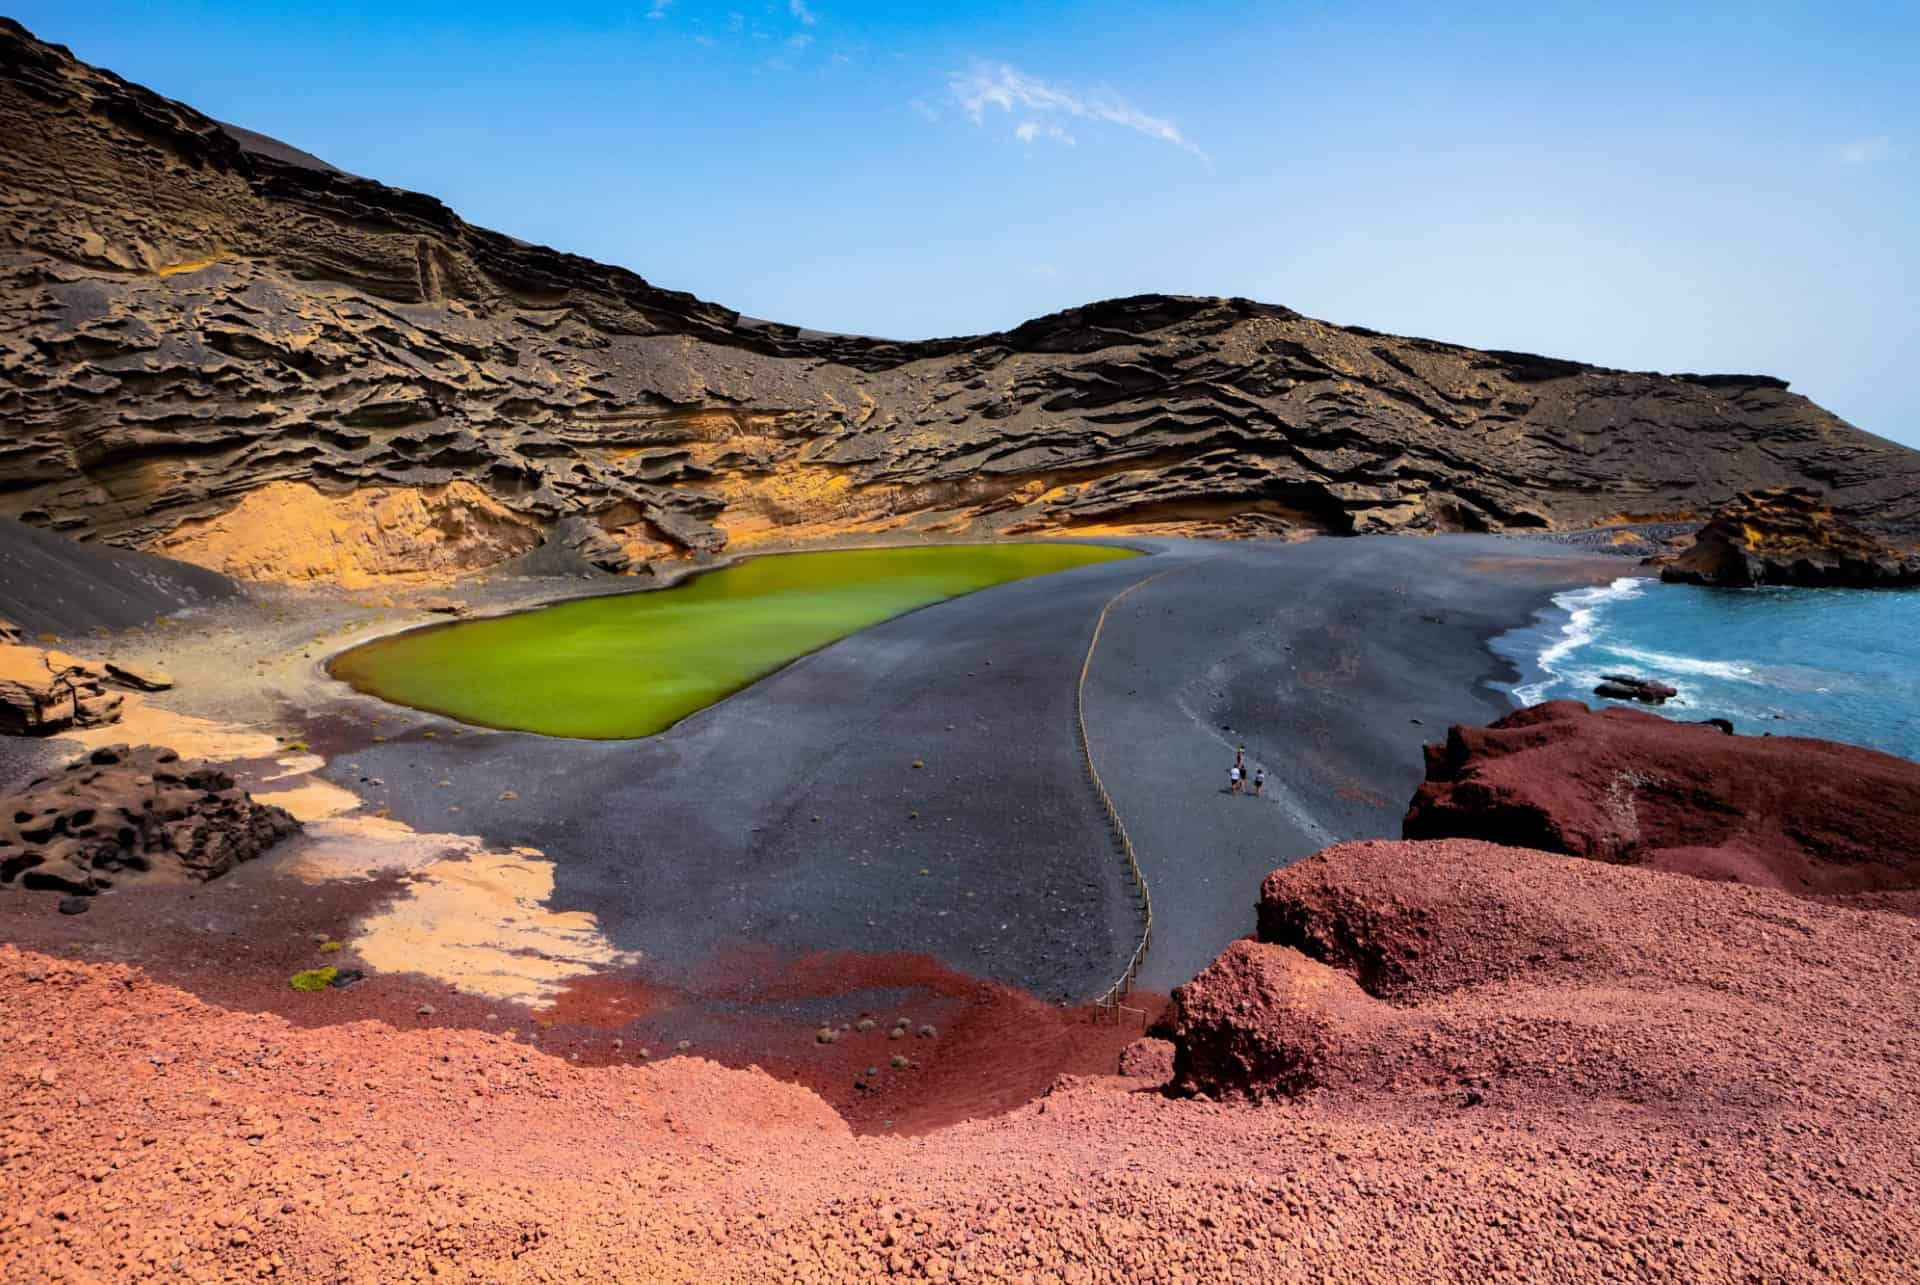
219	347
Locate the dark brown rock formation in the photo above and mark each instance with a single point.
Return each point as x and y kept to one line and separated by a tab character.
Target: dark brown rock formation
121	812
1625	687
1803	815
191	314
1788	536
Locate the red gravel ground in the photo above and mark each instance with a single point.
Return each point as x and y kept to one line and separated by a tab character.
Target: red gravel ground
235	942
1669	1078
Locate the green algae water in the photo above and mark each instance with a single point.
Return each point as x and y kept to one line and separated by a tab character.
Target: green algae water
635	664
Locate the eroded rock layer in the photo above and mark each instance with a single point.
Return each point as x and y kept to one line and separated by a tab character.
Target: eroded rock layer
190	313
125	812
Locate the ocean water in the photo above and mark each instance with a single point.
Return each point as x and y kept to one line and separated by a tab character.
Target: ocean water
1839	664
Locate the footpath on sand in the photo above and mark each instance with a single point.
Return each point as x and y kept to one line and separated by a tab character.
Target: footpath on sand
1332	661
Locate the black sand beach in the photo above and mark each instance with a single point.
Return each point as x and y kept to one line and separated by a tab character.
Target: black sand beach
792	816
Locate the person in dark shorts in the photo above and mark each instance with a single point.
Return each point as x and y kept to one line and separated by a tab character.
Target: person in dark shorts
1233	779
1259	781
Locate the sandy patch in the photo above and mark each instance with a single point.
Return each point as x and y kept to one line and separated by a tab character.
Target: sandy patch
141	723
297	765
480	923
315	801
473	918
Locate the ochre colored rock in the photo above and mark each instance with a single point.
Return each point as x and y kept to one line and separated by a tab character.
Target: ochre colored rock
138	677
1804	815
307	327
1264	1020
292	531
42	692
123	812
1787	536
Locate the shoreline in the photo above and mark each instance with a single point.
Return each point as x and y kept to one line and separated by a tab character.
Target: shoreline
746	864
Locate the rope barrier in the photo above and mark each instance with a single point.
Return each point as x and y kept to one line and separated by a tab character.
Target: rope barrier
1123	985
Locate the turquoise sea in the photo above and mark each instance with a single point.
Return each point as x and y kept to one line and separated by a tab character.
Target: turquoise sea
1839	664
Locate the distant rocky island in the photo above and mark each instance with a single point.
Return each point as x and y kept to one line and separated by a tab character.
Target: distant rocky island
217	344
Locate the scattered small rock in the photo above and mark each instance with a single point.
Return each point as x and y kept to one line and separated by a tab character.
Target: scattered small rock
75	905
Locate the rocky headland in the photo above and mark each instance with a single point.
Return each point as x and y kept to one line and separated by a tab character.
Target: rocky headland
1805	816
1787	536
216	346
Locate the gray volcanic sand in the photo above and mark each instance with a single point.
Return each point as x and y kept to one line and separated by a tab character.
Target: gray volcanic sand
783	817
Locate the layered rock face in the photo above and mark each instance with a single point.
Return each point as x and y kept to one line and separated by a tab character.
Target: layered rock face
1788	536
1806	816
123	812
191	314
43	692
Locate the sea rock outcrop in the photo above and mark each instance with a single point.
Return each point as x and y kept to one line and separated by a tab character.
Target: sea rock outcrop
1625	687
43	692
1806	816
121	813
1788	536
192	315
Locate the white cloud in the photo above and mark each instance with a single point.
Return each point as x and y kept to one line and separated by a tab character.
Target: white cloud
1005	87
800	41
923	109
1031	131
799	10
659	8
1864	151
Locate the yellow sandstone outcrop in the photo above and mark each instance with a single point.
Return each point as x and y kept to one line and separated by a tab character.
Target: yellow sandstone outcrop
291	531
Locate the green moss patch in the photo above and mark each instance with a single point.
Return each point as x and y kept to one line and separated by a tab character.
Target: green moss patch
314	979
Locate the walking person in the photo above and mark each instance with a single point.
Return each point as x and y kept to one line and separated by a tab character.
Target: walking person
1259	781
1233	779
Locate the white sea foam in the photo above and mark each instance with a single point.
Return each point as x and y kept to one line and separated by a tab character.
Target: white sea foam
1665	664
1582	627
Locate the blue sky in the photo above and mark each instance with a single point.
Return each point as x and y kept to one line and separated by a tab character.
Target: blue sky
1654	186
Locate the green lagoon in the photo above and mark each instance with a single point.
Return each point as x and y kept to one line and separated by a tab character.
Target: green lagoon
634	664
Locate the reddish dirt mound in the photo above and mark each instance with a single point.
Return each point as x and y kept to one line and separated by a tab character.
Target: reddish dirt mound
1697	1112
1806	816
1266	1019
1517	975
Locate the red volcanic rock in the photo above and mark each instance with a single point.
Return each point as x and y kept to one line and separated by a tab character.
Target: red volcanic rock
1264	1020
1803	815
1724	1100
1439	930
1148	1059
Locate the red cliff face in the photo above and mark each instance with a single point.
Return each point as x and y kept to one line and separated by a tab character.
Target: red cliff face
1806	816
